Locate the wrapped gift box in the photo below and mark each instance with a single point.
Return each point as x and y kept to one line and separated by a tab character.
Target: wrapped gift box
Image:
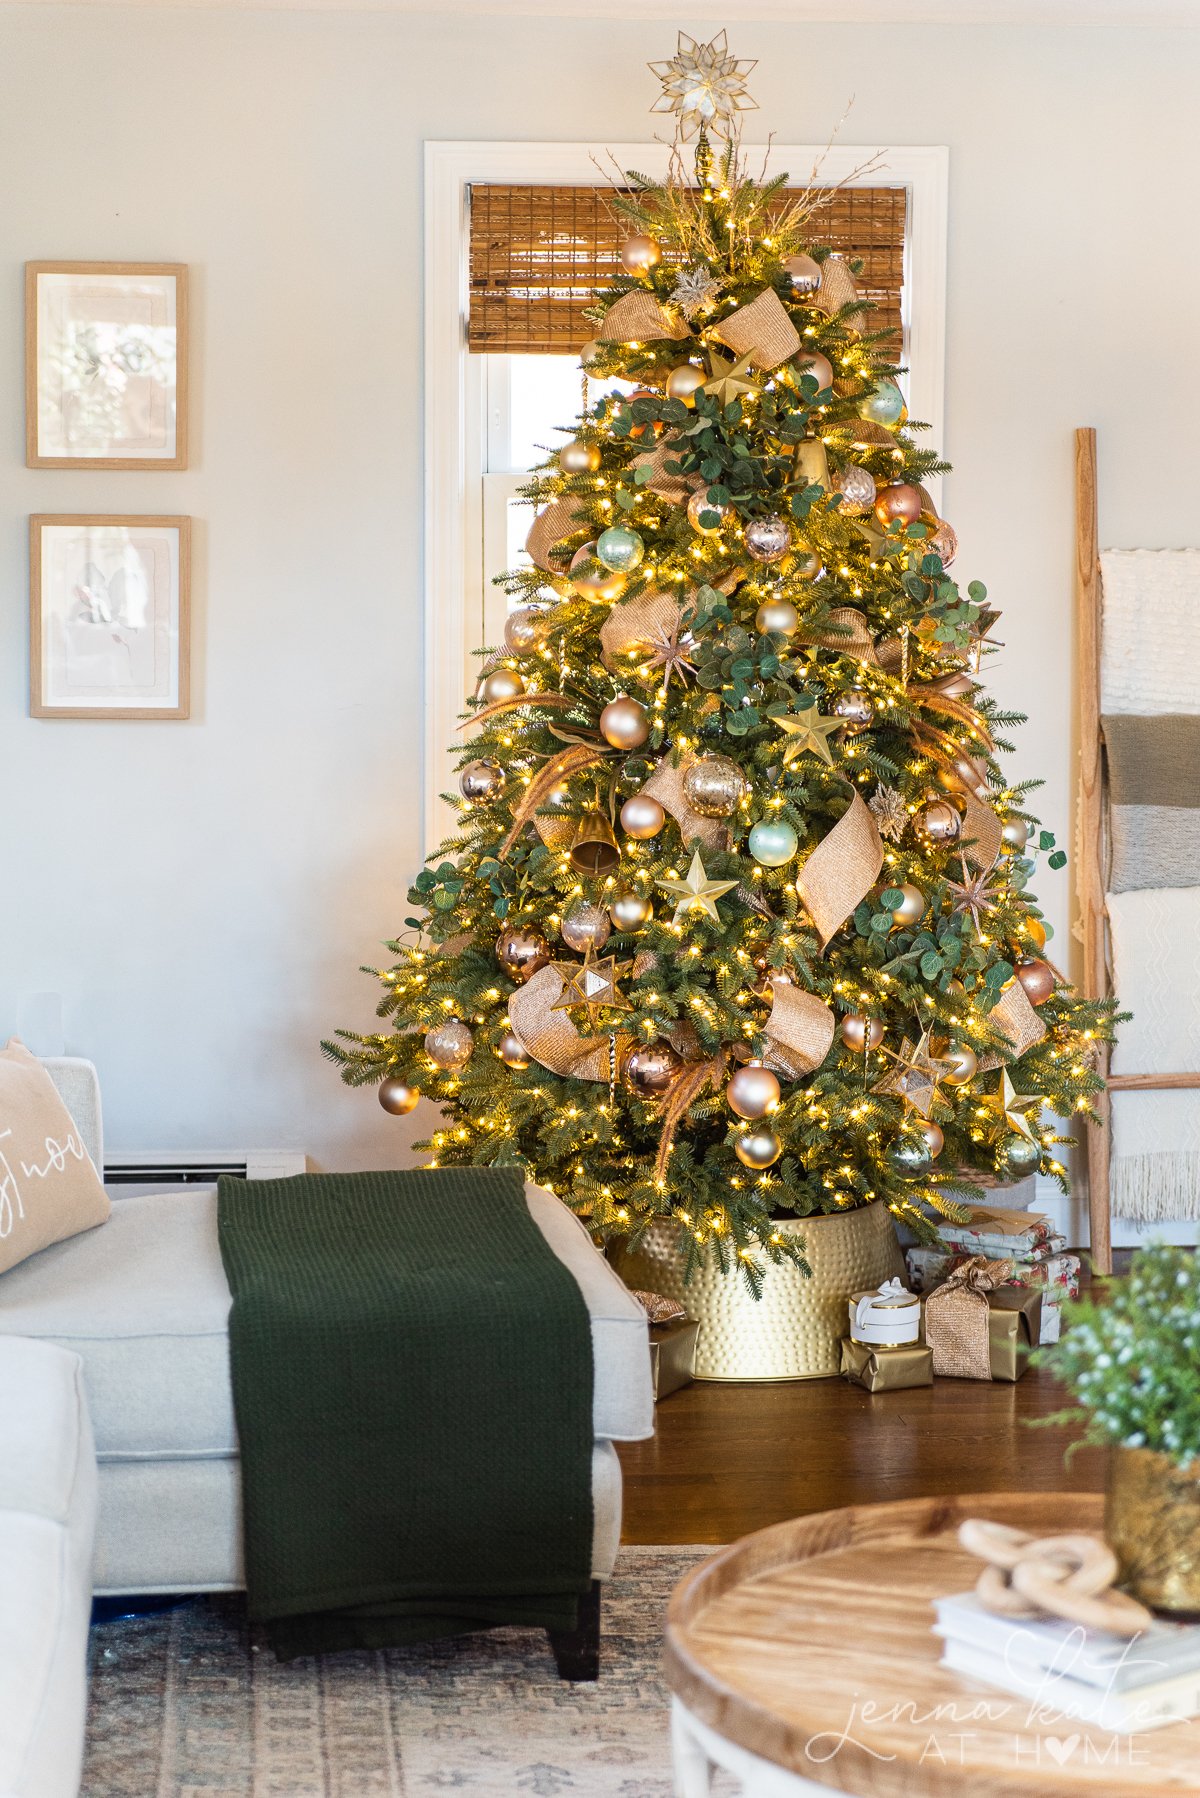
1014	1327
887	1369
673	1356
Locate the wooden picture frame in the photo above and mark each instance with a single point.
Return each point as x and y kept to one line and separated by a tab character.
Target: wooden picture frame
109	594
106	365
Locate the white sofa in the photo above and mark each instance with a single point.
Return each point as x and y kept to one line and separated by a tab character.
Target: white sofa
47	1524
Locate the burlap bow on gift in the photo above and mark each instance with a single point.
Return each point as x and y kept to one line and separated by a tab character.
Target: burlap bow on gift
956	1318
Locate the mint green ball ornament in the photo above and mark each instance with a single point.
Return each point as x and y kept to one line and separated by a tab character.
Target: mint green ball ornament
885	406
620	549
772	843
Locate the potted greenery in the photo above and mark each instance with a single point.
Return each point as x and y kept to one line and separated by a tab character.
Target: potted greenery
1132	1363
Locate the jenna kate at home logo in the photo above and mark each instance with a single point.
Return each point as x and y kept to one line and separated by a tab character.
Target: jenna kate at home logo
12	1206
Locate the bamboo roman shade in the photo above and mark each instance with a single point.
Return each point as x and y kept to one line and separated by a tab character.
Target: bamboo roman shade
538	255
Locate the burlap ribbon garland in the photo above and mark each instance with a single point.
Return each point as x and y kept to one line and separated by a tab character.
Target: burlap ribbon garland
851	635
956	1318
637	317
981	825
673	487
799	1031
633	624
560	519
666	785
551	1038
760	329
837	289
1018	1021
841	870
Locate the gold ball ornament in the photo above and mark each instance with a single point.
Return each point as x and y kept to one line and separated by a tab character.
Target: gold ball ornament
812	362
650	1068
911	908
767	539
860	1033
501	683
964	1064
449	1045
856	707
521	952
700	502
753	1091
579	458
589	576
898	504
525	628
935	1142
803	273
1035	930
641	253
938	822
592	351
684	382
964	774
629	911
512	1050
1020	1156
806	565
1037	977
481	781
586	926
624	723
1014	834
857	488
397	1096
777	615
758	1149
713	786
642	817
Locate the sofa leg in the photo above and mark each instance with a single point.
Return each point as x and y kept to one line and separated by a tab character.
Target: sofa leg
577	1651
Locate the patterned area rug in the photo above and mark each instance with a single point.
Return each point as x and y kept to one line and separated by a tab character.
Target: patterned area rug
189	1704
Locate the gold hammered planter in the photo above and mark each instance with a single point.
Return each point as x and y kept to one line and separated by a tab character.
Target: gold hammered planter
794	1331
1152	1521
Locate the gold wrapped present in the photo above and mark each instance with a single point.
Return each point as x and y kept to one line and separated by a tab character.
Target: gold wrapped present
673	1356
887	1369
978	1325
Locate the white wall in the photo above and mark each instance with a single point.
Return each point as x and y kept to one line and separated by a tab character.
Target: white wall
201	894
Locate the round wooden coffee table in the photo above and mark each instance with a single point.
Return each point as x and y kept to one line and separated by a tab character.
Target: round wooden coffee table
802	1659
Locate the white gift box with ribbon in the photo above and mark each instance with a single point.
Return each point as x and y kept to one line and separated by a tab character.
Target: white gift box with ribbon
888	1318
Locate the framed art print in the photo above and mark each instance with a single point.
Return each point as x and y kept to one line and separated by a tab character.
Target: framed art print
106	364
109	617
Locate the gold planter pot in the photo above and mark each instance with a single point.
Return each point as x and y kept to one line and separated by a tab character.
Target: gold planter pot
1152	1521
794	1331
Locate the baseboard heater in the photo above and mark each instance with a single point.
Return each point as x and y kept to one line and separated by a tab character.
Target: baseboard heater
149	1170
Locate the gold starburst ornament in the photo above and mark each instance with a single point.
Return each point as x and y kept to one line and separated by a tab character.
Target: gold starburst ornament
592	987
704	86
916	1075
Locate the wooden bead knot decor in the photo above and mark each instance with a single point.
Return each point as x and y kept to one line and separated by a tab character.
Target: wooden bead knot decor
1058	1577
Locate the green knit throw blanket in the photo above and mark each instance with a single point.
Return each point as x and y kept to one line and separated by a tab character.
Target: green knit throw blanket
412	1379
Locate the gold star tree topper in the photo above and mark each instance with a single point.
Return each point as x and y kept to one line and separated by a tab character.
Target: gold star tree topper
915	1076
592	987
704	86
697	892
809	733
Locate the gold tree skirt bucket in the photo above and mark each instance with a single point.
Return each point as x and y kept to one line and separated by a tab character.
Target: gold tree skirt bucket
794	1331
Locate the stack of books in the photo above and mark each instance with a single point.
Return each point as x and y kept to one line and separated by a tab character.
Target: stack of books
1027	1238
1125	1686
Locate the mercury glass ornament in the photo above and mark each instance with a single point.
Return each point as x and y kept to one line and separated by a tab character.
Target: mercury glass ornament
449	1044
684	382
898	504
860	1033
700	502
943	543
938	822
624	723
772	842
501	683
629	911
640	253
884	406
1020	1155
806	565
910	1157
525	628
935	1142
812	362
481	781
642	817
857	488
856	707
753	1091
521	952
713	786
512	1050
803	272
588	575
650	1068
964	1064
397	1096
758	1149
911	908
586	926
1037	977
777	615
767	539
1014	834
579	458
620	549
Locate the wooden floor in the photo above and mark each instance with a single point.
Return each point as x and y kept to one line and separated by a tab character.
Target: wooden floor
727	1459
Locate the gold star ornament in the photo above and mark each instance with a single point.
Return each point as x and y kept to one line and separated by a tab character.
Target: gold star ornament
592	987
1005	1105
729	379
704	86
697	892
915	1076
808	733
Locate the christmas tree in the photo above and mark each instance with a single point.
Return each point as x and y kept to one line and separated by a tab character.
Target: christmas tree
736	921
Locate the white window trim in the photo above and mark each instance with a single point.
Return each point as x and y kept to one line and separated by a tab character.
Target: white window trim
452	513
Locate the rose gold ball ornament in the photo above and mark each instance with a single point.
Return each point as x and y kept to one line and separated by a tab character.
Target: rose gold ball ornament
449	1044
588	575
861	1034
397	1096
629	911
934	1140
684	382
713	786
650	1068
525	628
899	503
579	458
1014	834
642	817
586	926
964	1064
481	781
521	952
857	488
758	1149
753	1091
911	908
856	707
803	272
700	502
811	362
501	683
943	543
512	1050
624	723
777	615
965	773
768	538
640	253
1037	977
938	822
